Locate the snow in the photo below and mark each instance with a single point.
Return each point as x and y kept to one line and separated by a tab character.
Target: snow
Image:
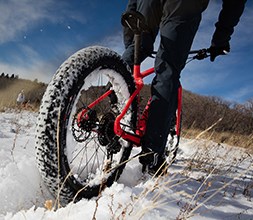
208	181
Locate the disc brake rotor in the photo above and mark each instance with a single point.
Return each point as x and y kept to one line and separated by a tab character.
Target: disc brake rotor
81	129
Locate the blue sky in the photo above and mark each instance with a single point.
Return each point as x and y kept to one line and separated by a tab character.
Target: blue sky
37	36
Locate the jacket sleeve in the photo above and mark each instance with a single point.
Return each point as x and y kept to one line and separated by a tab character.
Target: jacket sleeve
132	5
228	19
127	33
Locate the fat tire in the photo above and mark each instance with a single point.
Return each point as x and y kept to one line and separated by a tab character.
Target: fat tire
50	137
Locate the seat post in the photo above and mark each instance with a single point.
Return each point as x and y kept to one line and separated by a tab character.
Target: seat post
135	21
137	48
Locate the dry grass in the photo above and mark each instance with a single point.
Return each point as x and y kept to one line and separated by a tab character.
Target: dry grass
217	178
244	141
10	88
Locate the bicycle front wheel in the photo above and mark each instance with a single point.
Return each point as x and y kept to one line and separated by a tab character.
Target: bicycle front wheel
79	156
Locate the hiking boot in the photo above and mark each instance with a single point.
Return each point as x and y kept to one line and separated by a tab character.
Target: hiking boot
153	163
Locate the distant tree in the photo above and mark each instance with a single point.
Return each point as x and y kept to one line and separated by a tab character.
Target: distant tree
36	80
7	76
16	76
12	76
2	75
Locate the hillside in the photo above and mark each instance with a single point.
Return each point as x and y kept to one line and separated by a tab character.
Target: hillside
225	122
215	119
10	87
233	122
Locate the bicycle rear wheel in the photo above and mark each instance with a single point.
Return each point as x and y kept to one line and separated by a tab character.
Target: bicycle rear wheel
78	158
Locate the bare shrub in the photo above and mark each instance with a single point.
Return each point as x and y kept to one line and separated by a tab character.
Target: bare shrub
11	87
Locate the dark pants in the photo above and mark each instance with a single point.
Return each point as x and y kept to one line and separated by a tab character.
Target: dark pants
177	21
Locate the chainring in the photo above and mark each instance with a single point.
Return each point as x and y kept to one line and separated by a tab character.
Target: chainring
82	130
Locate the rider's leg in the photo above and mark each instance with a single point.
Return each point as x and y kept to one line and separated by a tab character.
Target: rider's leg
146	49
179	24
152	18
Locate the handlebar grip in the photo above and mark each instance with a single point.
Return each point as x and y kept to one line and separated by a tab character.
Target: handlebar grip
200	54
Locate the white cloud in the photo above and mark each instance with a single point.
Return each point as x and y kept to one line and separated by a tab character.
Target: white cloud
240	36
37	70
200	76
18	16
34	67
243	31
206	77
240	94
114	42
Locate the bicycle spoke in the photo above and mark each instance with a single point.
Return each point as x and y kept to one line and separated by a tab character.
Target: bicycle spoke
90	156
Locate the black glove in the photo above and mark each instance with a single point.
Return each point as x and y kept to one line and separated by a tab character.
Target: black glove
216	51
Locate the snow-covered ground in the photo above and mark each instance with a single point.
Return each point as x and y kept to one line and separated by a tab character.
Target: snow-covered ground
208	181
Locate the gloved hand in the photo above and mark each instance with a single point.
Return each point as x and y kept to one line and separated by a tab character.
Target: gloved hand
216	51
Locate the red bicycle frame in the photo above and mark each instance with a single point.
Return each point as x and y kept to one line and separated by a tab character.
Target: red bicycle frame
141	124
136	22
136	137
